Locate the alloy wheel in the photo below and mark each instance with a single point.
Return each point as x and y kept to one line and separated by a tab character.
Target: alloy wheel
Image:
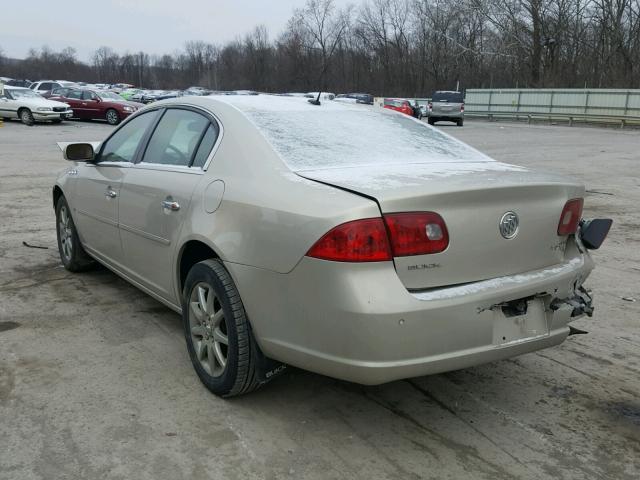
66	234
208	329
112	117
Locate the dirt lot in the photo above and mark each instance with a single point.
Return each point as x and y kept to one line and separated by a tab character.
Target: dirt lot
95	381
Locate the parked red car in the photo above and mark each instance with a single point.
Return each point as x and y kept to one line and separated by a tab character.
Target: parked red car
96	104
399	105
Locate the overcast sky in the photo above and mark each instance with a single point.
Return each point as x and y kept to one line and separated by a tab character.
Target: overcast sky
154	26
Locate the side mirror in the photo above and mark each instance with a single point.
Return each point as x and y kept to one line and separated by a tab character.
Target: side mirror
77	152
593	232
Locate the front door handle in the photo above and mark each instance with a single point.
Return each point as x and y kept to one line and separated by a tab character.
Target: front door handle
110	193
169	205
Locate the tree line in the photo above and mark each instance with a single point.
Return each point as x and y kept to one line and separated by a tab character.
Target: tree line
388	47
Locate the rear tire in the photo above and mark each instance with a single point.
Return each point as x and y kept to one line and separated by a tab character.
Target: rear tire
26	116
73	256
432	121
112	117
460	122
219	339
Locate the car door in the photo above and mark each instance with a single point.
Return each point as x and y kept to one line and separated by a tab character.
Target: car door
156	195
97	192
91	105
8	105
74	99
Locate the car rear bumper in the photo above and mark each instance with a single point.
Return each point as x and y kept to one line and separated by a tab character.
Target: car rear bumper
446	115
357	322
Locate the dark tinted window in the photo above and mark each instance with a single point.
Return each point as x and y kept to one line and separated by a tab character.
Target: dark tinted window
449	97
88	95
176	138
122	146
60	92
74	94
208	141
45	86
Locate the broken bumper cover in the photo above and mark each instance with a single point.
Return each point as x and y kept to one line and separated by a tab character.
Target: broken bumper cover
359	323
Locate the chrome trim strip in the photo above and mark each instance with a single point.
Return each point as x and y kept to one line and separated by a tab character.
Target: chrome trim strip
147	235
168	168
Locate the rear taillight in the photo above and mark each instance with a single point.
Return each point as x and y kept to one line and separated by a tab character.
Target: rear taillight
358	241
462	107
430	106
381	239
570	218
416	233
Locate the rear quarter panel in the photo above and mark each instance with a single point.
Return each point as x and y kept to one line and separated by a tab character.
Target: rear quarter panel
269	217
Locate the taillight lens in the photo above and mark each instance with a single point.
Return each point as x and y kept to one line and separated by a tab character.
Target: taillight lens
416	233
462	107
358	241
430	106
570	218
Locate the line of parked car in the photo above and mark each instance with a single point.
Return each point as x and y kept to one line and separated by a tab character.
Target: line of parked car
444	106
57	100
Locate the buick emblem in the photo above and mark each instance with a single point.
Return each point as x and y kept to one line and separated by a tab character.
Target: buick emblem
509	224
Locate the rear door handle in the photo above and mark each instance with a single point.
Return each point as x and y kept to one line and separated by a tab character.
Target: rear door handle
169	205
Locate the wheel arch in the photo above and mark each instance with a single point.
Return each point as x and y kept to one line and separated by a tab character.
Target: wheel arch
192	251
57	193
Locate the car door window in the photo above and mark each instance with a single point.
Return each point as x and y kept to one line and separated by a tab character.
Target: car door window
207	143
60	92
122	146
45	86
88	95
74	94
176	138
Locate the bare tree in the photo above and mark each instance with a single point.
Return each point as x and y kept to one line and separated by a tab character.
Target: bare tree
389	47
321	28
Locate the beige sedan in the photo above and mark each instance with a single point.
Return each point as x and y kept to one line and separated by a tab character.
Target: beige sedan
343	239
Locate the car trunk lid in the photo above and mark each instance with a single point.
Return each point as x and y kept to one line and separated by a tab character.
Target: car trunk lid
472	198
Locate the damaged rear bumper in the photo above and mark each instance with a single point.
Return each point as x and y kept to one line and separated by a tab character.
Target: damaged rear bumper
359	322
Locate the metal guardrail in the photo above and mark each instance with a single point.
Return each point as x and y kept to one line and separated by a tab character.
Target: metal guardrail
572	105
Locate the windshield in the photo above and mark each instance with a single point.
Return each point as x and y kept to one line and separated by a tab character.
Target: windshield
23	93
339	135
448	97
110	96
394	103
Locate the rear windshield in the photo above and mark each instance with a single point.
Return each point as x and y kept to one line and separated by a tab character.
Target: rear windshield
332	136
449	97
394	103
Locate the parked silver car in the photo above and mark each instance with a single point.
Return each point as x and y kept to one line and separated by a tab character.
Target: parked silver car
350	241
448	106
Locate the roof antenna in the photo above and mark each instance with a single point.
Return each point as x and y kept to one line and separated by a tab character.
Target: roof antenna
315	101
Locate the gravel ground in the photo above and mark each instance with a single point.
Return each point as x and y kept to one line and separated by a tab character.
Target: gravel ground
95	381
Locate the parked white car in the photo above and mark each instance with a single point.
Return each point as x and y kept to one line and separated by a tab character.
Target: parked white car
29	107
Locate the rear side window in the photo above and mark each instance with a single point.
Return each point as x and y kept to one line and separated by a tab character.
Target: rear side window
448	97
45	86
74	94
176	138
207	143
122	146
